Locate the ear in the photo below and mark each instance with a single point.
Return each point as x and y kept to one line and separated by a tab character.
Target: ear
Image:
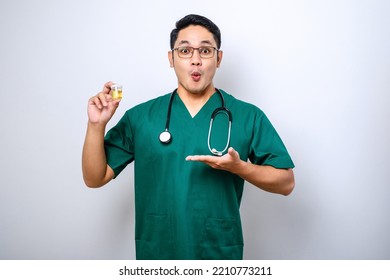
219	58
170	58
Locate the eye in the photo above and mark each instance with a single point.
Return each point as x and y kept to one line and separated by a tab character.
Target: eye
185	51
205	50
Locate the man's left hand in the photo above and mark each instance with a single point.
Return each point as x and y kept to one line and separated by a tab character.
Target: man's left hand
227	162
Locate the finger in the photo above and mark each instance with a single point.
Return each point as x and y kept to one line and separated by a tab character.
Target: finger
95	100
107	87
192	158
100	100
116	102
103	98
200	158
233	153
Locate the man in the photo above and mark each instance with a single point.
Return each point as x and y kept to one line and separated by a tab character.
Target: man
187	199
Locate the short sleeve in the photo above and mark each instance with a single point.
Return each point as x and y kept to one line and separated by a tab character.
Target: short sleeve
267	147
118	145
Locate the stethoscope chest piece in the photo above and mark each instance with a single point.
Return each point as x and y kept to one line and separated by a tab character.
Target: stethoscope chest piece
165	137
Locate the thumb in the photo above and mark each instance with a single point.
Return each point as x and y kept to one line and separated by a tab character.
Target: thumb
233	153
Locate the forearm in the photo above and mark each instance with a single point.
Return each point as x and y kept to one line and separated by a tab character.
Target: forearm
94	163
267	178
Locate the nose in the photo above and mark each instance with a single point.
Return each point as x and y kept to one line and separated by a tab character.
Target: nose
196	59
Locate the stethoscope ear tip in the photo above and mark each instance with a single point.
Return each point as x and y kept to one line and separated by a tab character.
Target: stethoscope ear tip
215	152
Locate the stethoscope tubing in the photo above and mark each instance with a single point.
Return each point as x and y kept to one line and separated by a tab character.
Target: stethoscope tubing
166	137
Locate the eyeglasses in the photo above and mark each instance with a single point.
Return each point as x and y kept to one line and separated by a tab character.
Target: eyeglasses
187	52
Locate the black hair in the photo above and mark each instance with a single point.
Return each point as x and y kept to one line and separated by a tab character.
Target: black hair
196	20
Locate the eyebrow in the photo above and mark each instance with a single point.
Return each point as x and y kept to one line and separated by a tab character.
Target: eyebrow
204	42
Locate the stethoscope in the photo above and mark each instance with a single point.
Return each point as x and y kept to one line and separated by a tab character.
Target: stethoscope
166	137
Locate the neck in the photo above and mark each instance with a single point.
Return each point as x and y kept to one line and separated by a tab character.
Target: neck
194	101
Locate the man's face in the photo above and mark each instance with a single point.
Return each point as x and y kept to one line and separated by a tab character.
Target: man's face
195	74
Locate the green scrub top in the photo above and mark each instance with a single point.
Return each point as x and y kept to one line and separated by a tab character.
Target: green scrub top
186	209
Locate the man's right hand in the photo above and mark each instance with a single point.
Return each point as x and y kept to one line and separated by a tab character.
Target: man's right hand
102	107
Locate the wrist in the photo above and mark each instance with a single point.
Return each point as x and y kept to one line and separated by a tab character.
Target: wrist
240	168
96	126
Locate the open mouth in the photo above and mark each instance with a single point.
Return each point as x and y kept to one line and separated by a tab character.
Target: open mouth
196	76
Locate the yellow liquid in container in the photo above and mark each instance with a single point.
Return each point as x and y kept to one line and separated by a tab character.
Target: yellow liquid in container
116	93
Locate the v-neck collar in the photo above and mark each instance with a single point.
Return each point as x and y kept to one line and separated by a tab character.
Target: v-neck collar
211	104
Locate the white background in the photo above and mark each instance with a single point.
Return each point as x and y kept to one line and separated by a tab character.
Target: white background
319	69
